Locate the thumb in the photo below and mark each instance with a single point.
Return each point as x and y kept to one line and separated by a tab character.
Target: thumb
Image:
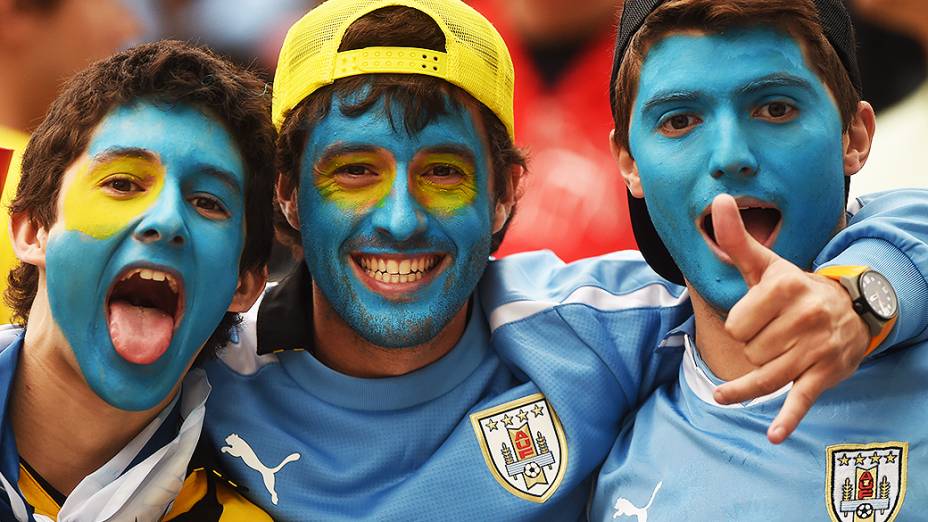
744	252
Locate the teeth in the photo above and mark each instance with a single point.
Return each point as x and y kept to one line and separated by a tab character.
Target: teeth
394	270
153	275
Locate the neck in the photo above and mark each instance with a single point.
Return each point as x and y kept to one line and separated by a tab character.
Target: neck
342	349
723	354
62	428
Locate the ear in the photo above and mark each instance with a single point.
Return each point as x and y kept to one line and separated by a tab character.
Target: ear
859	138
627	166
287	198
508	200
250	285
29	239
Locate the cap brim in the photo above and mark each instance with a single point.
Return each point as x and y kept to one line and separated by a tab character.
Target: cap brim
650	243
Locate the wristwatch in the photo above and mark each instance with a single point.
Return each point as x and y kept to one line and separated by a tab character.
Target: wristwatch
872	297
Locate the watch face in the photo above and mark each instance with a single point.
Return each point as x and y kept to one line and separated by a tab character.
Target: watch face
879	294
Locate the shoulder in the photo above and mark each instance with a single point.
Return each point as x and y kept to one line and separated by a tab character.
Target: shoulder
526	284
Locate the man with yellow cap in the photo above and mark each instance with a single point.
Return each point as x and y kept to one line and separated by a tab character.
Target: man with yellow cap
398	374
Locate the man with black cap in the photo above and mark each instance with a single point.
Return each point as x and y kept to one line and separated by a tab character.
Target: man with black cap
740	170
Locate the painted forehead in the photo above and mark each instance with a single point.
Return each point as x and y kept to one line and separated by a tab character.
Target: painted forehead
457	126
727	61
180	134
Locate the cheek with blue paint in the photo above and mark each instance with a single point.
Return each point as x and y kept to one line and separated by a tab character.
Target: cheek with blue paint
761	127
157	195
396	227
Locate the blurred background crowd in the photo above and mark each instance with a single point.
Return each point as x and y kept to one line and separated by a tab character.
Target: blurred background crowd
574	199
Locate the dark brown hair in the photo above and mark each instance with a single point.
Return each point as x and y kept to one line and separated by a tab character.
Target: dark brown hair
166	72
799	18
422	98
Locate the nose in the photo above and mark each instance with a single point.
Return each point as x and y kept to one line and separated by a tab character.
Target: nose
399	216
732	154
164	221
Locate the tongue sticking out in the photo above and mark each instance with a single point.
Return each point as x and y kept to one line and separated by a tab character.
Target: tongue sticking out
140	334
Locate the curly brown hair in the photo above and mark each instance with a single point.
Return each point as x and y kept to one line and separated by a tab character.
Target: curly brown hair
164	72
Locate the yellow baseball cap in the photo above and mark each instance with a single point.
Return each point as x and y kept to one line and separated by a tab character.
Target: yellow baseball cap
475	59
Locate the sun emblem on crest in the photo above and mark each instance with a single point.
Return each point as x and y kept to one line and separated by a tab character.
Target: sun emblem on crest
524	446
866	482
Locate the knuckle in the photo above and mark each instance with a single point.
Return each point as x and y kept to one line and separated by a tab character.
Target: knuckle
766	384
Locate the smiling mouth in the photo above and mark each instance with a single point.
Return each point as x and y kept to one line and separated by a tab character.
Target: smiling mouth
144	307
389	274
761	220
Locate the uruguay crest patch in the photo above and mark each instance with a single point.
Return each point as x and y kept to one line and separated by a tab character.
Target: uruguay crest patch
524	446
866	482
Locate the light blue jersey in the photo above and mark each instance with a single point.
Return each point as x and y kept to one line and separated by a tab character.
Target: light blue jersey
470	437
860	455
511	424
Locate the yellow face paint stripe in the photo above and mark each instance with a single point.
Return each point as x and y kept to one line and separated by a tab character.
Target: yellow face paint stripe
346	197
447	198
93	209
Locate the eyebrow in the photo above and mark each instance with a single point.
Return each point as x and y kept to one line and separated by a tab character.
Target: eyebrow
664	97
776	80
226	177
455	150
340	149
114	153
767	82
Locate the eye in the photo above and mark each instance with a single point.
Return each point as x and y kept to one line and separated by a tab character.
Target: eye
444	175
776	112
356	176
209	207
678	125
122	186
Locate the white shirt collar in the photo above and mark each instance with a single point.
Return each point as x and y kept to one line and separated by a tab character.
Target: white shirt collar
703	386
147	490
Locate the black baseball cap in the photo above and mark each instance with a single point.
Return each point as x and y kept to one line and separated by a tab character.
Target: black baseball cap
838	29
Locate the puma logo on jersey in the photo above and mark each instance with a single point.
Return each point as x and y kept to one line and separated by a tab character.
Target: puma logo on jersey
625	508
237	447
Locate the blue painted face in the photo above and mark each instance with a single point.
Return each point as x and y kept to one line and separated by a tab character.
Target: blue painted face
738	113
143	260
396	228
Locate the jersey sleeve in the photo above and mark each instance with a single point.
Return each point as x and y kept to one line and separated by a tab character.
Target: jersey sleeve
887	231
612	312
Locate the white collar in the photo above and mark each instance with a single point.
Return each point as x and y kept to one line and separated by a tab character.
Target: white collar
147	490
703	386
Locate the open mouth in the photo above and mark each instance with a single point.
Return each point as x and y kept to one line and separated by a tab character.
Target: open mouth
389	273
144	307
761	220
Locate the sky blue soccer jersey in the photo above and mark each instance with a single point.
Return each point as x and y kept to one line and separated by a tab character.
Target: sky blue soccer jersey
509	425
860	455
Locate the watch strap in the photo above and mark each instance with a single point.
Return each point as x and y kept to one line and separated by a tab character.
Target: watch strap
847	276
